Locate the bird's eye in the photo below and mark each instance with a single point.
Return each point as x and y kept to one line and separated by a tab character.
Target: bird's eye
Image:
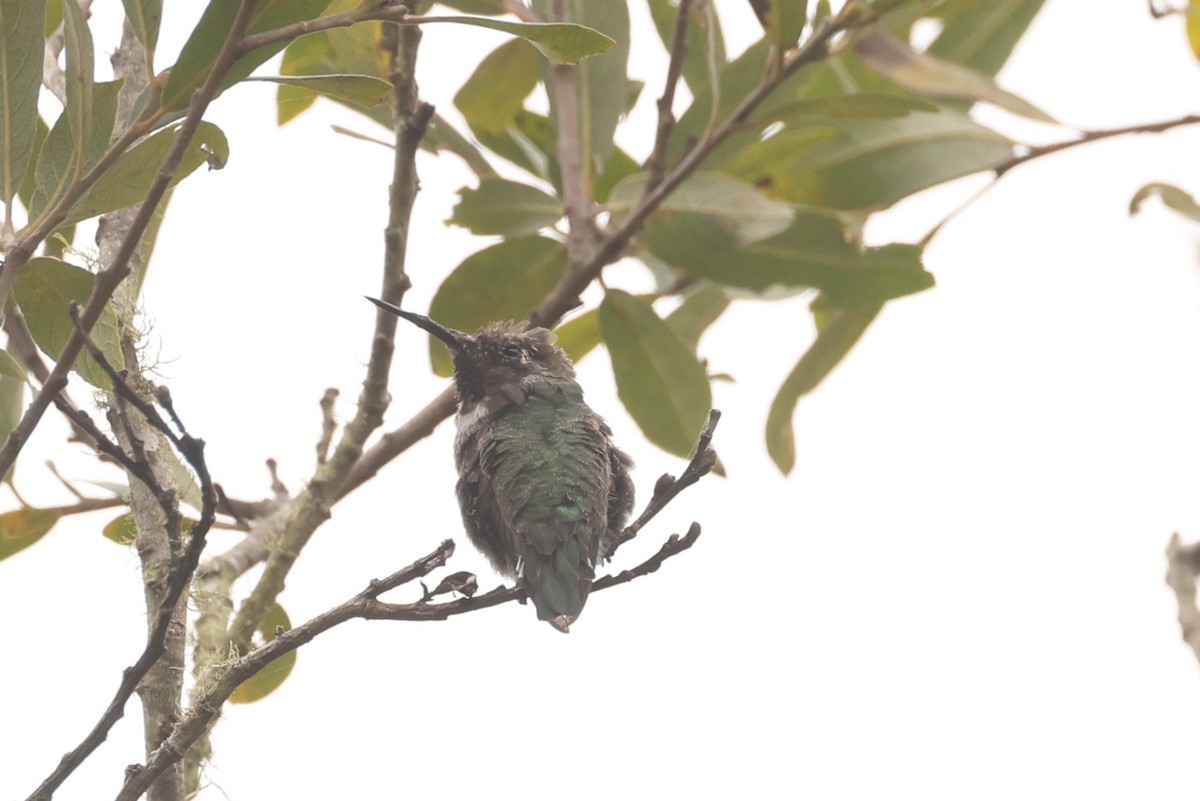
511	352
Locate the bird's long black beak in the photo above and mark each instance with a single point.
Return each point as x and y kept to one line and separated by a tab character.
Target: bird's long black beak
453	339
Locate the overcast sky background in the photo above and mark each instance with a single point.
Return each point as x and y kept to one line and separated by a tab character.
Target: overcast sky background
957	593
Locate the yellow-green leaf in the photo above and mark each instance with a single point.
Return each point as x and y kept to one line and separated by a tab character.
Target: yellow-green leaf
841	330
659	379
1172	197
267	680
356	90
21	528
122	529
491	105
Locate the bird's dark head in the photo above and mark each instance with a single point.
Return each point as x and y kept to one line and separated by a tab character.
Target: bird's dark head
499	358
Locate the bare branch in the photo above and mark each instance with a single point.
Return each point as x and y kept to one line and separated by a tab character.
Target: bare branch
365	606
668	487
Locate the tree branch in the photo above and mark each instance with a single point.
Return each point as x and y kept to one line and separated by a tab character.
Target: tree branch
1182	564
656	163
173	587
110	277
367	606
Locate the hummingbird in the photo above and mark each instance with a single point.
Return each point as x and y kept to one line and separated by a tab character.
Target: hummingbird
542	487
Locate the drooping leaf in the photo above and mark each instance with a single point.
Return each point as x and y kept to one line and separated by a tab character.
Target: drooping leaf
21	46
813	252
144	17
981	36
202	47
121	529
560	42
44	290
501	282
441	136
492	105
1172	197
659	379
707	207
21	528
841	330
130	178
929	75
505	208
864	164
267	680
704	42
701	307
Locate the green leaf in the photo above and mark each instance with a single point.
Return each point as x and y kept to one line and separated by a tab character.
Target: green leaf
1172	197
144	17
659	379
701	307
870	164
560	42
782	21
441	136
928	75
12	396
492	105
354	90
604	85
501	282
863	105
79	79
490	7
267	680
58	158
11	368
21	528
130	178
709	210
202	47
981	36
44	290
122	529
813	252
21	46
505	208
580	335
704	42
841	330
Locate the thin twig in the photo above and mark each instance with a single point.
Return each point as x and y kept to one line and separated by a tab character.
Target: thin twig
668	487
365	605
176	583
656	164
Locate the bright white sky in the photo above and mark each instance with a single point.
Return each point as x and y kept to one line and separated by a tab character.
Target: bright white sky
957	594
